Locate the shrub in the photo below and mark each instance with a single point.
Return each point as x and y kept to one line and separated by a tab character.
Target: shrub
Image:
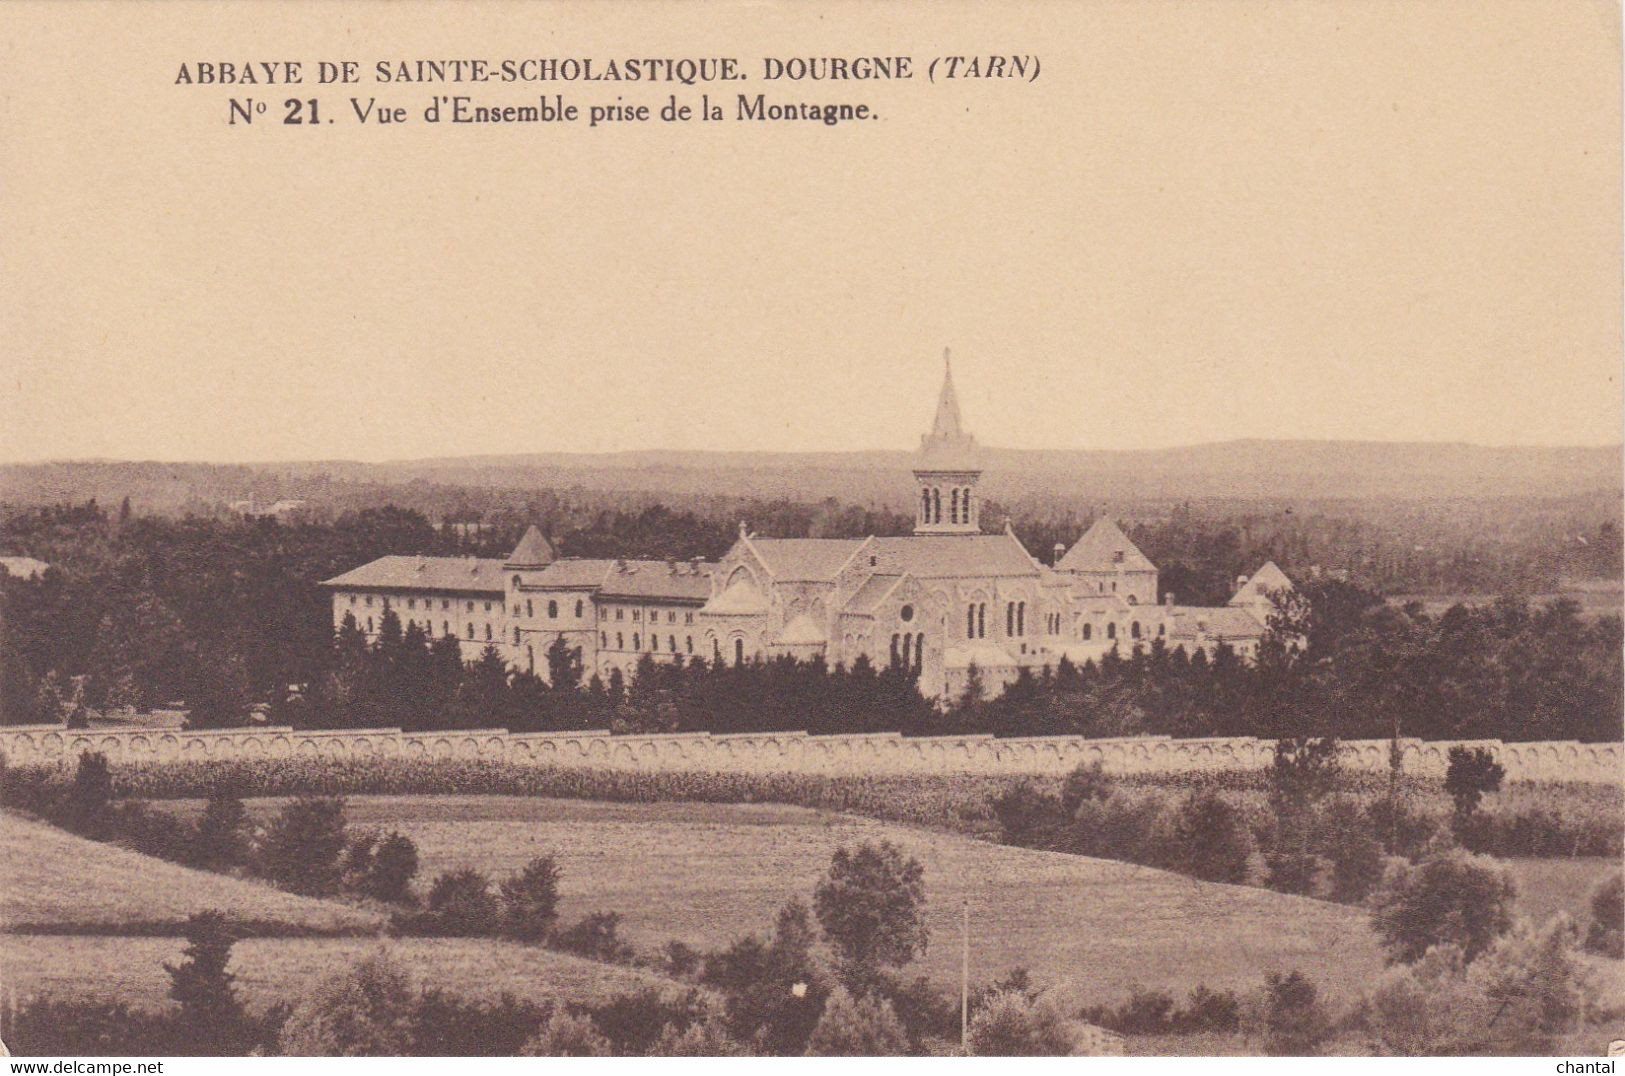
364	1010
567	1035
394	865
925	1012
155	833
445	1024
1472	772
1209	1010
47	1027
707	1037
633	1022
530	900
680	960
1085	782
596	936
222	831
209	1009
865	1026
870	905
1027	817
303	844
87	808
1146	1012
460	904
1451	897
774	990
1607	932
1210	840
1344	838
1290	1017
1129	826
1519	998
1011	1024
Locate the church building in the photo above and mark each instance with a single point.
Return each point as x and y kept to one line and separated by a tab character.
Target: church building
939	602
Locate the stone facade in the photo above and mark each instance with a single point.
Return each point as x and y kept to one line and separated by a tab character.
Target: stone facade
785	752
941	602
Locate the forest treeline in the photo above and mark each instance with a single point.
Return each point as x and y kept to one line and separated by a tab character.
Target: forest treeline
222	614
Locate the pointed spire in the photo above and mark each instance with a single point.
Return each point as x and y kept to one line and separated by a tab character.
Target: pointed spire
947	436
948	424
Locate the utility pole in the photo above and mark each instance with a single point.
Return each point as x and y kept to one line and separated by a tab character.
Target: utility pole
964	976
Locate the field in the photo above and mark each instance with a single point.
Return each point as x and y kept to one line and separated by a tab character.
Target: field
58	883
279	969
1549	886
707	873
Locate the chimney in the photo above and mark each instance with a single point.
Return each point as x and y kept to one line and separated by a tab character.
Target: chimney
1060	551
1168	599
1241	581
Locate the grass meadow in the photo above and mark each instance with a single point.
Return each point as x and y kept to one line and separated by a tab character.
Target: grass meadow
55	882
706	873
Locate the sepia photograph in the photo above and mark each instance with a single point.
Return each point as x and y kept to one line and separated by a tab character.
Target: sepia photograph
756	530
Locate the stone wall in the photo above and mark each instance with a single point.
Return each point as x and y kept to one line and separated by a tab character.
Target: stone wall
879	753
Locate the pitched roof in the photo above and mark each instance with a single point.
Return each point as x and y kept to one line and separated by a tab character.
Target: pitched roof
572	573
742	598
472	575
532	550
1099	548
1221	622
944	556
801	632
674	580
871	594
794	560
1264	582
23	567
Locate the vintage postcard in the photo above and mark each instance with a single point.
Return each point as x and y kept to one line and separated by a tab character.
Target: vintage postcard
765	529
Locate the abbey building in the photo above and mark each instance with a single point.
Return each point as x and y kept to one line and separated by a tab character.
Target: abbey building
938	602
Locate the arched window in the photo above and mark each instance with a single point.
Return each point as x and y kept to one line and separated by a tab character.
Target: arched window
445	627
688	643
908	651
637	641
487	632
671	643
964	507
1134	629
936	504
981	620
530	658
1111	631
1162	629
970	621
529	610
953	506
739	651
1088	632
603	639
369	625
553	610
620	641
579	608
919	650
1134	599
471	629
1021	618
894	641
516	636
516	582
925	504
1009	619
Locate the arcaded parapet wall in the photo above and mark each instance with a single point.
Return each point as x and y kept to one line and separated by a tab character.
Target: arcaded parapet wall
793	752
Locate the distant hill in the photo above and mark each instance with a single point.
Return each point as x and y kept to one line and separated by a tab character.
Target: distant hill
1252	469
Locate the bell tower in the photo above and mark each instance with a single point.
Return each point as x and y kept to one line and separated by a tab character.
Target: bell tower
946	472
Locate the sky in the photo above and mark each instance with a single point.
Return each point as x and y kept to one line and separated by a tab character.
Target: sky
1202	221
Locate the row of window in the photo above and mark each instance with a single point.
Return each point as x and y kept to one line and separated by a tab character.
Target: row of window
637	614
1015	620
908	651
412	603
654	642
552	609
